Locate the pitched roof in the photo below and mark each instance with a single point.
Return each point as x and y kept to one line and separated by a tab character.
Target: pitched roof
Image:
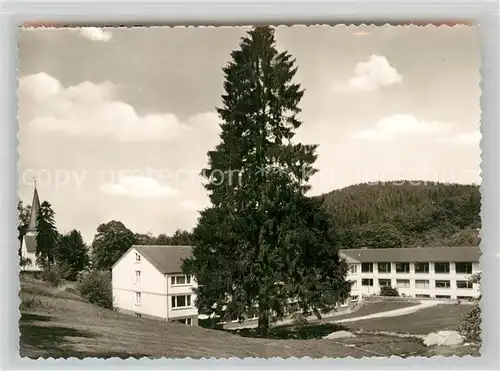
414	254
167	259
35	209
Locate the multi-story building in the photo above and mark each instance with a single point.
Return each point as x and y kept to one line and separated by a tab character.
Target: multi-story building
427	272
148	282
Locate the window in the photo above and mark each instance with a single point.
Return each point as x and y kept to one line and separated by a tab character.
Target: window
183	321
403	283
464	285
421	267
354	284
463	268
422	296
422	284
353	268
137	258
384	267
465	297
367	267
354	298
137	298
402	267
442	267
180	280
137	276
384	283
442	284
181	301
443	297
367	282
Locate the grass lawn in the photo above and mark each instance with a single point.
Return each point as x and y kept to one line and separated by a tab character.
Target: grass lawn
439	317
56	323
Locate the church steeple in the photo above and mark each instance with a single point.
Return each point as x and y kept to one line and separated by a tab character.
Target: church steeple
35	209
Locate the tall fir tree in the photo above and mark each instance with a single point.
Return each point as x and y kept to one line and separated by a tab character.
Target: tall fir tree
47	235
263	243
71	254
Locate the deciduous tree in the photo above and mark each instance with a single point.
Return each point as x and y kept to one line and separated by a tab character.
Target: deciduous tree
112	240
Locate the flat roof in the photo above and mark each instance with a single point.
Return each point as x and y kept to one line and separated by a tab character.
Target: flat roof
413	254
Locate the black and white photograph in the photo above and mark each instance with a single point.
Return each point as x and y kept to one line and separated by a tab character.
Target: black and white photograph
249	191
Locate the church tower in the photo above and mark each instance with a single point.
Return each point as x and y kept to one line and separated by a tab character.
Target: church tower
29	244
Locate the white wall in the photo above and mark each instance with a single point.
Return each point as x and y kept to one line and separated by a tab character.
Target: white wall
152	286
412	291
186	289
33	267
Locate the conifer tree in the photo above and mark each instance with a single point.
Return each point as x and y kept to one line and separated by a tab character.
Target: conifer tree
47	236
71	254
263	243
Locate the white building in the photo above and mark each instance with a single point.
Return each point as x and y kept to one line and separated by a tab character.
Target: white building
427	272
28	247
148	282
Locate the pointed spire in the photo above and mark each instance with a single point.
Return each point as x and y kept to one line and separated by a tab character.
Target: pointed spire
35	209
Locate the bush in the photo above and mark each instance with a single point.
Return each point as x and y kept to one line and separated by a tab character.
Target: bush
298	319
470	325
52	276
388	291
30	303
96	287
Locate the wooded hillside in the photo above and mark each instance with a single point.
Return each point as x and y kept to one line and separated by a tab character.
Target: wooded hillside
397	214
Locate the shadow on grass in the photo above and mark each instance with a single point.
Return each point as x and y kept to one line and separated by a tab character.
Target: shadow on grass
307	332
46	341
50	340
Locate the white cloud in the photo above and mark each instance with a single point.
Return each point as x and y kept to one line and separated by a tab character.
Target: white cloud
91	110
373	74
471	138
400	125
138	186
95	34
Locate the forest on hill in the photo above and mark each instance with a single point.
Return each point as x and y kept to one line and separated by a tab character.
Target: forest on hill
405	214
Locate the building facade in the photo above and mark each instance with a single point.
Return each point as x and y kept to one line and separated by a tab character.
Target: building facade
430	272
148	281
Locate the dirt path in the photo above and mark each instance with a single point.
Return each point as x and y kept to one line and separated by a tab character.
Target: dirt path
391	313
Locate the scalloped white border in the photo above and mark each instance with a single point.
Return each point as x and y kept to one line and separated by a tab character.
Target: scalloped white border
237	13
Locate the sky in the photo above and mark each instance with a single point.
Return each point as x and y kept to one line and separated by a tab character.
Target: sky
115	123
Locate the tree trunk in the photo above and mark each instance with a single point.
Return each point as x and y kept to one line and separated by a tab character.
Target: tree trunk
263	320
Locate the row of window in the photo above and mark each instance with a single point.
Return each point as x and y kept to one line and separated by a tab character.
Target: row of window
419	284
465	268
174	280
177	301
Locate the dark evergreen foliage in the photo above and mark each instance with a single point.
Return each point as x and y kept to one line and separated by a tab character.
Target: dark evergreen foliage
388	291
47	236
23	219
263	241
71	255
405	214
